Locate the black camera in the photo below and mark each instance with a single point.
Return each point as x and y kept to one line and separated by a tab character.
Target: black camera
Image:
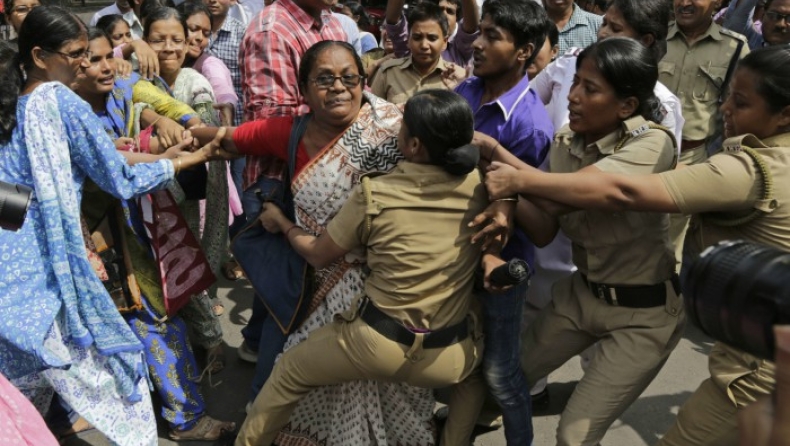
14	201
737	291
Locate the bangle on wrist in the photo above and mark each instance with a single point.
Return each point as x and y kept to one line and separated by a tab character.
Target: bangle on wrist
153	124
288	231
513	198
491	154
177	165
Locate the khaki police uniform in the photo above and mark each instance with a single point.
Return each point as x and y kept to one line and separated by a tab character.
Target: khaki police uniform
695	73
730	182
629	251
397	80
422	270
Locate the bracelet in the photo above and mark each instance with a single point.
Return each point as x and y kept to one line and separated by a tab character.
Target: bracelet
508	199
178	166
491	154
155	121
288	231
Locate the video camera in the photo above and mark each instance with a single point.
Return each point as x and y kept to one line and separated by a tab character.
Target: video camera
14	201
737	291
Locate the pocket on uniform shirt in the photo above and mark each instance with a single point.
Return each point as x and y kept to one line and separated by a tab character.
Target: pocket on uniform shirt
707	85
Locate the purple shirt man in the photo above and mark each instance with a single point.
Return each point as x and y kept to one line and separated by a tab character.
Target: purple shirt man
519	121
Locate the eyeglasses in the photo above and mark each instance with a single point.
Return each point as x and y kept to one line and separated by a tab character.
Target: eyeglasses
24	10
327	80
775	16
83	56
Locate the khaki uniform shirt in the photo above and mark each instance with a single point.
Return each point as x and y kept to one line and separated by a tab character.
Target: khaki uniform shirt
419	246
695	74
729	182
618	248
397	80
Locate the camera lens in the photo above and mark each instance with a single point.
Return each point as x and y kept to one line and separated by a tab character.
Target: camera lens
14	201
737	291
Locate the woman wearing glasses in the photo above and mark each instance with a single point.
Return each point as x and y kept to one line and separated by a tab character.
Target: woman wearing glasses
348	135
61	332
15	13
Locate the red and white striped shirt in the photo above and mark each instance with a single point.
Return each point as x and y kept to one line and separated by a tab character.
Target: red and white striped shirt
270	53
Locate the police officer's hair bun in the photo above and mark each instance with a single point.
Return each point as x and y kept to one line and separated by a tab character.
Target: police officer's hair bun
443	122
631	70
461	160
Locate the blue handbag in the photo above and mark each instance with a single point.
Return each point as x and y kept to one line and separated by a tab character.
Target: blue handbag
281	278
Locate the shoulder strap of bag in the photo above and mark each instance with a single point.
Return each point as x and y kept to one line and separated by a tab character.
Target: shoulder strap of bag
297	131
730	70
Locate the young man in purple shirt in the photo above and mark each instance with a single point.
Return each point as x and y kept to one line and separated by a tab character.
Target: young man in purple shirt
511	34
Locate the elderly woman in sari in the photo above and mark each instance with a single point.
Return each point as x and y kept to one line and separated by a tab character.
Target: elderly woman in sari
348	134
171	361
66	335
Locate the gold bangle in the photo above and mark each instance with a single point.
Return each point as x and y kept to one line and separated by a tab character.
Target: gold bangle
178	166
508	199
155	121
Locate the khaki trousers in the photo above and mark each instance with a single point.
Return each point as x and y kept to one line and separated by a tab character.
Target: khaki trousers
710	416
679	223
351	350
634	343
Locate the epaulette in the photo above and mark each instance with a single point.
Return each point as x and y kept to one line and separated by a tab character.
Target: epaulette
733	34
393	63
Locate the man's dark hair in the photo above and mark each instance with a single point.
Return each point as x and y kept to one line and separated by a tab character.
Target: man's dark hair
425	12
457	4
525	20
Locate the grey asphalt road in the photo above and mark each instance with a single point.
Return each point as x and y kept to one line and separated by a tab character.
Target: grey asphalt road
642	424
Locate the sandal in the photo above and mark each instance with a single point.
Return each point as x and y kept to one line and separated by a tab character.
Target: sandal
232	271
206	429
217	307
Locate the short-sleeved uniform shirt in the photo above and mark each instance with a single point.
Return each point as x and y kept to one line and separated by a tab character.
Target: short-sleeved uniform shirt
419	246
695	73
627	247
397	80
730	182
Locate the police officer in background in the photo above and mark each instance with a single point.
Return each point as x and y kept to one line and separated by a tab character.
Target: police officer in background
700	55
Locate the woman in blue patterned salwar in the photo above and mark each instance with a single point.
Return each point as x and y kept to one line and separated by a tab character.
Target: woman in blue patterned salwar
59	329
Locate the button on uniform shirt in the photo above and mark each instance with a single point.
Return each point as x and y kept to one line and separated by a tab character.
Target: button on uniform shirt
129	17
581	30
397	80
270	53
621	248
695	73
518	120
224	45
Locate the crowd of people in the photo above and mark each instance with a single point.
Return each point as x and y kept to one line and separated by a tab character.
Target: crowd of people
605	144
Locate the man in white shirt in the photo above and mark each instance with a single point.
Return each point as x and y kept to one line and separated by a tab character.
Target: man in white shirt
125	10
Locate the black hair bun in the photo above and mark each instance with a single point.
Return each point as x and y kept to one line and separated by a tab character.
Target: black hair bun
461	160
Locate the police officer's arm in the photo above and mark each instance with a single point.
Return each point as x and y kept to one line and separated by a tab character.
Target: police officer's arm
589	188
317	251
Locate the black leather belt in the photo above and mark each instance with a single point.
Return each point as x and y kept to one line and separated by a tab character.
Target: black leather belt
394	331
633	296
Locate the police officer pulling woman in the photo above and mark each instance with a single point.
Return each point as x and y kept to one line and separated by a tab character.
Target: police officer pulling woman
740	193
624	294
413	323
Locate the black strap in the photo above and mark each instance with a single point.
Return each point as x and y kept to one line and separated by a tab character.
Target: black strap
394	331
730	70
632	296
297	131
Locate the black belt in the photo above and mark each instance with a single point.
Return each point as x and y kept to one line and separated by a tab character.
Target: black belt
633	296
394	331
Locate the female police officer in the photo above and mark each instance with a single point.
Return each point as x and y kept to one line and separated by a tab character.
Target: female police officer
624	293
737	194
